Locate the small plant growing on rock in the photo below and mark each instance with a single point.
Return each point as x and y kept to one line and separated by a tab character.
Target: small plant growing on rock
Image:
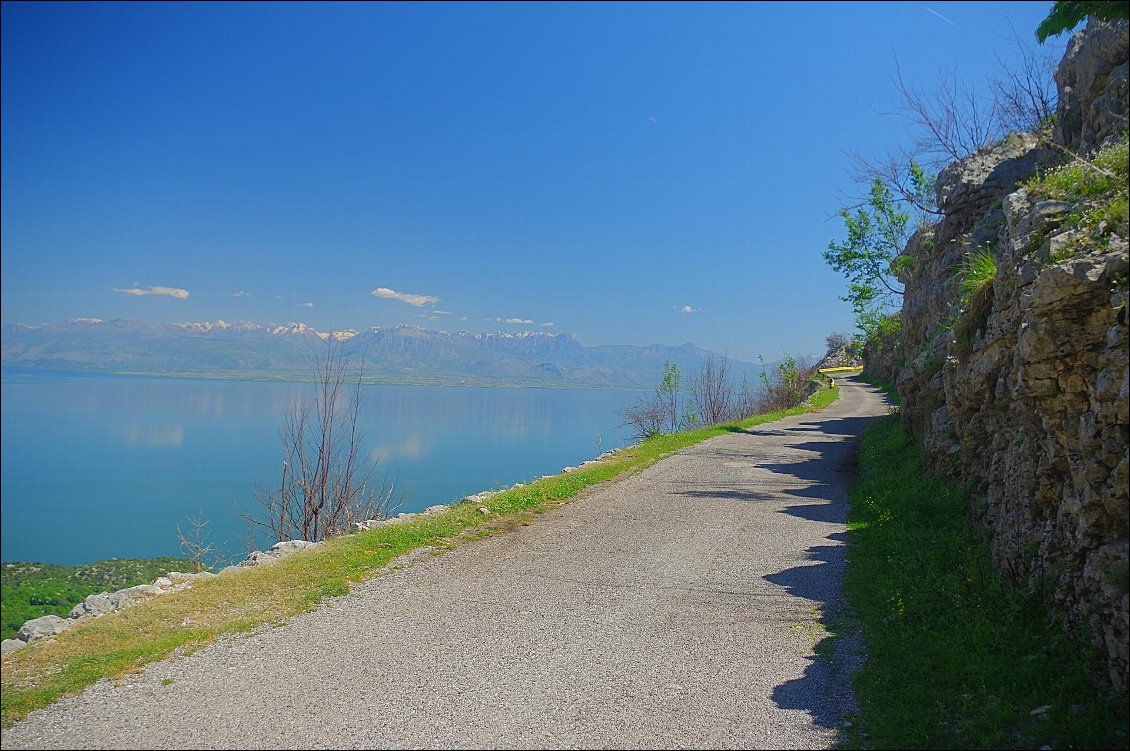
1099	192
978	272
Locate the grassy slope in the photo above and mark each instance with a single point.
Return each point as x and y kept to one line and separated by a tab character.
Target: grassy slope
956	658
122	642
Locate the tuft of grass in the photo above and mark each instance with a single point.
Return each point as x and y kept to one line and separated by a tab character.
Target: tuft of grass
977	274
1079	179
956	657
123	642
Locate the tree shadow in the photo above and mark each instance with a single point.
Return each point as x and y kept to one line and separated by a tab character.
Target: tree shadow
820	479
831	426
827	513
824	689
749	496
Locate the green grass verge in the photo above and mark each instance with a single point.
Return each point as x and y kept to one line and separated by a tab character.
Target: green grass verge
123	642
956	658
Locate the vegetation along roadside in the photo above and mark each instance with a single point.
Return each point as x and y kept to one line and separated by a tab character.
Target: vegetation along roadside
123	642
956	657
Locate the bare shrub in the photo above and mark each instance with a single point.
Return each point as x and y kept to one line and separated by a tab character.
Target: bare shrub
837	341
651	415
952	121
1025	92
711	392
648	417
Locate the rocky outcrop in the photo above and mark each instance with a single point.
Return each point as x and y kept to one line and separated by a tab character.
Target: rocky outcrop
47	625
1027	399
843	356
1092	85
277	551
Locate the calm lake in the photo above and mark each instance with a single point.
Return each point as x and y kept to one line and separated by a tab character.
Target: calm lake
96	467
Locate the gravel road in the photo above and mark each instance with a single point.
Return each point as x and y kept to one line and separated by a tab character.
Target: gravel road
678	608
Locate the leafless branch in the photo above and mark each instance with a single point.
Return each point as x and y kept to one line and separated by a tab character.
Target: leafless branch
326	483
711	392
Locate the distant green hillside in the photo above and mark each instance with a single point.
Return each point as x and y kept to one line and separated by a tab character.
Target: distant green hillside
30	590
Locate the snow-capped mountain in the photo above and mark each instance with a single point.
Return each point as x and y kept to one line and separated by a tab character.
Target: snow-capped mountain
406	354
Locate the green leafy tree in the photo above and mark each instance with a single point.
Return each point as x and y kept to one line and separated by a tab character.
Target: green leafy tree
1065	16
870	258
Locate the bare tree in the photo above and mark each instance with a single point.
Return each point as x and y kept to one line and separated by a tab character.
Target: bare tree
747	401
326	482
837	341
952	120
196	543
711	392
1025	93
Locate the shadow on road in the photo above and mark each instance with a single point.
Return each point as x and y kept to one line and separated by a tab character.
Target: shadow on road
823	691
832	426
820	481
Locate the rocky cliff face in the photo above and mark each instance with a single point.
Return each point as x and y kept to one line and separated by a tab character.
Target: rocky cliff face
1027	398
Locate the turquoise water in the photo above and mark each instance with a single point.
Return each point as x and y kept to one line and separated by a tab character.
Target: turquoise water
94	467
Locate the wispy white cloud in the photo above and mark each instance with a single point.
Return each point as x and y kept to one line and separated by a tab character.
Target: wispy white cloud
686	309
240	293
547	325
524	321
307	304
176	292
417	300
933	12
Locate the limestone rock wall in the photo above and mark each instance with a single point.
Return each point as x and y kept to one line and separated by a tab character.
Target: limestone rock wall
1032	411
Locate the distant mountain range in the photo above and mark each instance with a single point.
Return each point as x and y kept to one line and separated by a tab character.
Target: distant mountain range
401	354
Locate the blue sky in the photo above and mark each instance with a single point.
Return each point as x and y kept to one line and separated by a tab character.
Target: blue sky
628	173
